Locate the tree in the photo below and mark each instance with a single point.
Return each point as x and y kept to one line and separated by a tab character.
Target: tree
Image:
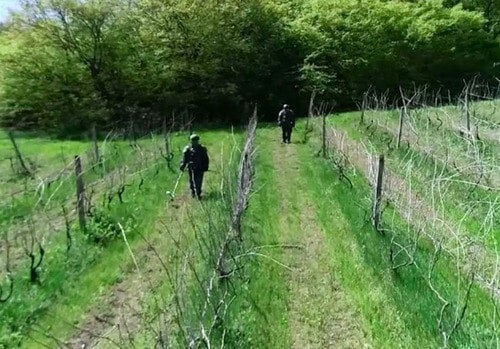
386	44
490	9
69	63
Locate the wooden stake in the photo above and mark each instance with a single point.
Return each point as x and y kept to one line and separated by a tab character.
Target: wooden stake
363	108
467	112
97	158
311	103
80	193
165	138
309	116
24	168
378	193
324	135
132	132
400	127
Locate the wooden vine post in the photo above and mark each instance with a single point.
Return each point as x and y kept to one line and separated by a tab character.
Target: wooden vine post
363	108
24	168
80	193
467	111
324	135
400	127
165	138
377	200
95	146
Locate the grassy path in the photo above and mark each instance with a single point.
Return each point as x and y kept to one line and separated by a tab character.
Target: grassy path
337	289
305	305
130	309
174	229
320	315
93	301
120	311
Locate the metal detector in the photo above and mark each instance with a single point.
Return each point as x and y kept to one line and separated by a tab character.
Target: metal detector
171	194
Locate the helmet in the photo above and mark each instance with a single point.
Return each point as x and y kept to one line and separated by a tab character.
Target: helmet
286	106
194	137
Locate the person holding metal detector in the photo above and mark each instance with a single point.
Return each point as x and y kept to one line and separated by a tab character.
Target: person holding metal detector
195	158
286	120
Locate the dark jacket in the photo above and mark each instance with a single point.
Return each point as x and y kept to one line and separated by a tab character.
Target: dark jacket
286	117
195	157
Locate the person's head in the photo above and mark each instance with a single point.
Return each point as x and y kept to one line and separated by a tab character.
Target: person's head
194	138
286	106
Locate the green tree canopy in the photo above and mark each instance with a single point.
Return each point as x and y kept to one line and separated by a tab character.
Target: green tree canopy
67	63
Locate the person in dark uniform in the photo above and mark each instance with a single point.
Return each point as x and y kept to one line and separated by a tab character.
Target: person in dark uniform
286	120
195	158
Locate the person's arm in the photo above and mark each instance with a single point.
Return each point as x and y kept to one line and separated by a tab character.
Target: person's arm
184	160
280	116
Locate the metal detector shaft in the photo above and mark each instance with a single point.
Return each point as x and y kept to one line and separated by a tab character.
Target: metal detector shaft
177	183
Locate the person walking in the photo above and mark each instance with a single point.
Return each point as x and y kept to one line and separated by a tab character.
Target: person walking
286	120
195	158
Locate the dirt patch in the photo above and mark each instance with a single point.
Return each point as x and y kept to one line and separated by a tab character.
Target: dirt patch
319	314
102	321
120	313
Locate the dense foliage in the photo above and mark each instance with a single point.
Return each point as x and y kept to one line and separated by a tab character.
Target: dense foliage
489	8
68	63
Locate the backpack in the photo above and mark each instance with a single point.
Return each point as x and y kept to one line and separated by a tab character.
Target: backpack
197	158
287	116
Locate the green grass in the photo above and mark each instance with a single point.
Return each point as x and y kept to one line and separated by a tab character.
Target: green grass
398	309
191	247
43	196
458	196
442	138
258	318
54	178
71	284
37	212
336	289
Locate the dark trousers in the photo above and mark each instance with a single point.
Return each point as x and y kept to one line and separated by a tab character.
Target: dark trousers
287	132
195	182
